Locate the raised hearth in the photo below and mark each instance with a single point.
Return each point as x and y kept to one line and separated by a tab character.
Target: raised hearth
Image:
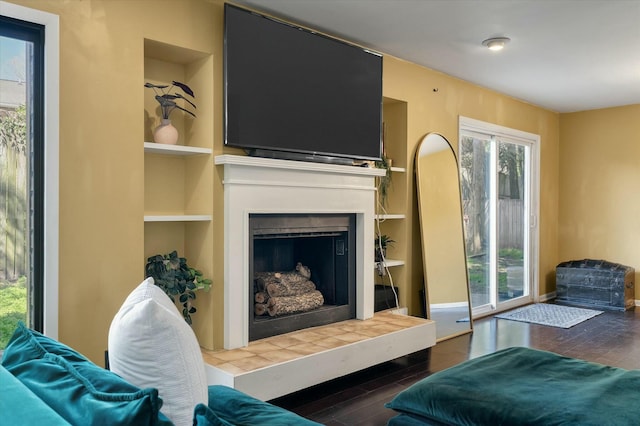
276	366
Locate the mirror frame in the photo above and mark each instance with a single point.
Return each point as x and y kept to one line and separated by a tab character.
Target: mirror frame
423	231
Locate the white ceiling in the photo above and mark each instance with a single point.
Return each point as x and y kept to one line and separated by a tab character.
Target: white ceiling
564	55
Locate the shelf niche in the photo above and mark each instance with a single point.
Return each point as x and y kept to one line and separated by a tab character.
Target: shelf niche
164	63
178	179
393	217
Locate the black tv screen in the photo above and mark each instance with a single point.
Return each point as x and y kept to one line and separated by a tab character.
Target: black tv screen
289	90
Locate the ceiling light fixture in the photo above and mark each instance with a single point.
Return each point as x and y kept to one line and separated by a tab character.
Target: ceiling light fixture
496	43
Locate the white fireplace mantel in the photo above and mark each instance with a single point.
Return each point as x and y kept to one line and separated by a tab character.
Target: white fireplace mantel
265	185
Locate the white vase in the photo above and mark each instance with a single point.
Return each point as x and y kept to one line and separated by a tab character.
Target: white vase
165	133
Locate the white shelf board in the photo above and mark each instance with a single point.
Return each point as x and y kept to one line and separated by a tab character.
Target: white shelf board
398	169
157	148
390	216
393	262
179	218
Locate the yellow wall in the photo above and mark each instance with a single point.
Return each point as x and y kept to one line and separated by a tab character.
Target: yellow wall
434	103
101	150
600	186
102	176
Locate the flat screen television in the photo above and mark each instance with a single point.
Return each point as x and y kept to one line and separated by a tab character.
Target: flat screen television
293	93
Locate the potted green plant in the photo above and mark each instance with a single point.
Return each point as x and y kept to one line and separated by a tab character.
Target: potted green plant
175	277
384	181
381	243
166	133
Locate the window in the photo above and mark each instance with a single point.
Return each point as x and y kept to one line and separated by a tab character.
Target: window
28	169
498	175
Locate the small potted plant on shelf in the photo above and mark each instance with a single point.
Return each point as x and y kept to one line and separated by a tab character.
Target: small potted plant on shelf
173	275
381	243
384	181
166	133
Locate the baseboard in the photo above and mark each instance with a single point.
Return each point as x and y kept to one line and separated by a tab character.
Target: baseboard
547	297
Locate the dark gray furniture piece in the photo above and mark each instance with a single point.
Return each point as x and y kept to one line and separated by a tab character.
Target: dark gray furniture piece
595	283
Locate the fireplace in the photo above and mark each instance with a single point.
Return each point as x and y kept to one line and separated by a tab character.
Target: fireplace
262	187
303	270
270	188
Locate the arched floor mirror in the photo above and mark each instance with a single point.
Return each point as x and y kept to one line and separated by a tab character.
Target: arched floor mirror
441	229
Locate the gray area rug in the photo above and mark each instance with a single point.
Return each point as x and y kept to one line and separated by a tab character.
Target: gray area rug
551	315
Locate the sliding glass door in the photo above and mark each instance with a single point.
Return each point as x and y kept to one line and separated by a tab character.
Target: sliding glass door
496	178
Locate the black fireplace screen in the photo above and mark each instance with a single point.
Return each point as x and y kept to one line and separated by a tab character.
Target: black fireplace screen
302	271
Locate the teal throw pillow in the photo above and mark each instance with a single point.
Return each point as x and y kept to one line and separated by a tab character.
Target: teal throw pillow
77	389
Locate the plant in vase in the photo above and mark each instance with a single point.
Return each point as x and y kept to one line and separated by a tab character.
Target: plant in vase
384	181
381	242
166	133
175	277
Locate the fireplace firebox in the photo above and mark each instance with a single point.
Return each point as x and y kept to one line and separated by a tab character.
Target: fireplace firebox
283	249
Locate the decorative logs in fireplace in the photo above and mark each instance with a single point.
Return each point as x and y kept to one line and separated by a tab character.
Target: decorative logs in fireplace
294	304
290	292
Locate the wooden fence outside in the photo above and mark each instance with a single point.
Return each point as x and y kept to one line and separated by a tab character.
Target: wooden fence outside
14	253
510	220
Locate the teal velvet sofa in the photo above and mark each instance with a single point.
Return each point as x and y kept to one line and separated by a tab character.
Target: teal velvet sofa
522	386
43	382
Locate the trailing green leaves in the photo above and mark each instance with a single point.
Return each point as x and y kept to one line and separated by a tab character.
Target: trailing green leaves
175	277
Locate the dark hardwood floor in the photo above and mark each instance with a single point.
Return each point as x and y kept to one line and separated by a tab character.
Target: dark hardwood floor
612	338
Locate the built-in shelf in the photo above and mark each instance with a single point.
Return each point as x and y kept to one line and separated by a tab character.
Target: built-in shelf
155	148
390	216
392	262
179	190
179	218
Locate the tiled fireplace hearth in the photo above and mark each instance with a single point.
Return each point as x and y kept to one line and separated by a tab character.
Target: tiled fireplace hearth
262	186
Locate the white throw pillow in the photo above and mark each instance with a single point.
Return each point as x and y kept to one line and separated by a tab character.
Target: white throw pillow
151	345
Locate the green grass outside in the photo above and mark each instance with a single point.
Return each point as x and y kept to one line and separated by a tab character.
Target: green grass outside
13	308
477	269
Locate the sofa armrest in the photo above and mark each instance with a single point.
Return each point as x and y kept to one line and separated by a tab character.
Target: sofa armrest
20	406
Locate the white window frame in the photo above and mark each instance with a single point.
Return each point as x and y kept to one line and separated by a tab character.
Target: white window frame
51	25
473	125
